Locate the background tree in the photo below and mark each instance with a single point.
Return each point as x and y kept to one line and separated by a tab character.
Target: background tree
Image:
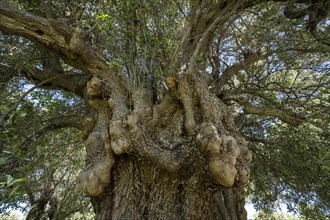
171	91
275	216
40	161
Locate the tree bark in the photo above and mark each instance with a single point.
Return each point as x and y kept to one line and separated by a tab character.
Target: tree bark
139	190
180	159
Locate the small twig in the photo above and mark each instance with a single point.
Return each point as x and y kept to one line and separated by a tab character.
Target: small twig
6	114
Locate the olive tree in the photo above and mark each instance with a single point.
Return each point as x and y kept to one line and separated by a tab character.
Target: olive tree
169	88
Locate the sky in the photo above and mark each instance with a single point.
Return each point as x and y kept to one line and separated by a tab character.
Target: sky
250	210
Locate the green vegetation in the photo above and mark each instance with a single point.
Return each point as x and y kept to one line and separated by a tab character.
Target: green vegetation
269	62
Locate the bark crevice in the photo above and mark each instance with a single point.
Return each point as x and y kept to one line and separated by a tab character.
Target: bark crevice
157	157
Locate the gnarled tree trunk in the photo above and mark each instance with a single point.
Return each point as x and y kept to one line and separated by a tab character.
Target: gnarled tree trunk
179	159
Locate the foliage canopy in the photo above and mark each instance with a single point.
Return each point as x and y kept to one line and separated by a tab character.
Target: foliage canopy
267	60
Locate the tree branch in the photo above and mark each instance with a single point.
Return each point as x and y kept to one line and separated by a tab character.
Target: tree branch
286	117
5	75
69	81
316	12
6	114
261	111
250	59
204	20
70	44
206	36
49	33
255	139
66	122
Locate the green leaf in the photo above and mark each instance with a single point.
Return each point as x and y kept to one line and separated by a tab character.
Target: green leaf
9	179
14	190
20	180
2	161
103	17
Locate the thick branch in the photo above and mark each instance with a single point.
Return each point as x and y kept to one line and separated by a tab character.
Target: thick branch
49	33
206	37
52	66
316	12
68	81
248	108
250	59
205	19
71	44
251	109
293	13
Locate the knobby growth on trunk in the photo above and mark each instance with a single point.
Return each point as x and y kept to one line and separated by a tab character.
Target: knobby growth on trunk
176	157
184	144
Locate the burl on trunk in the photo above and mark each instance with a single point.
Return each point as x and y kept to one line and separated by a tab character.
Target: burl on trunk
181	158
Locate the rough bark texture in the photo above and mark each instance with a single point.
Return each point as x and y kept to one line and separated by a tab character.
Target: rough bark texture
180	159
